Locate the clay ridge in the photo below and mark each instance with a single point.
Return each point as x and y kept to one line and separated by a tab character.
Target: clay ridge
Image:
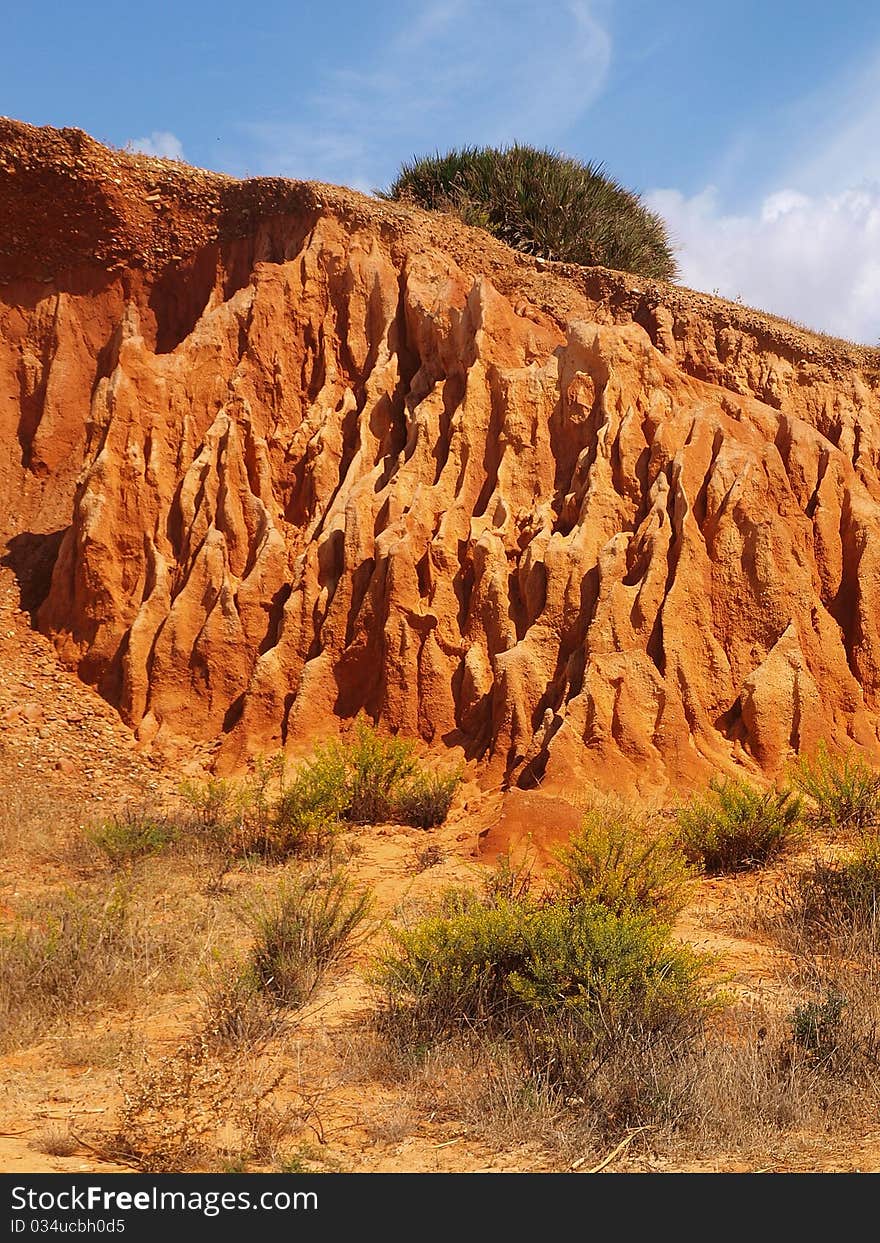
300	453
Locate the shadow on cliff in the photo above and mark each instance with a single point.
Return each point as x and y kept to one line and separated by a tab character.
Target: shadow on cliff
31	557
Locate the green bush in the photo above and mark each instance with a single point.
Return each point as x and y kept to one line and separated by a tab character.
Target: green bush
840	894
373	779
308	811
843	790
817	1026
211	811
300	931
377	770
424	801
619	861
518	963
232	817
132	834
367	780
733	827
542	203
263	815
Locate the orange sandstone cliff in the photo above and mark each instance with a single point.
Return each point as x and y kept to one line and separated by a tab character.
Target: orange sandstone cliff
273	452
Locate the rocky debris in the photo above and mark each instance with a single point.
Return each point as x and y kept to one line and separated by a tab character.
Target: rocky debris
53	729
70	201
344	455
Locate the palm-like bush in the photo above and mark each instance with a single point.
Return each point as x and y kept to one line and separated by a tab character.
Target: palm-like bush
544	204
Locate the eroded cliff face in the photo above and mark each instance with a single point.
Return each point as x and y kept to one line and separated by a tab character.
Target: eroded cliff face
336	455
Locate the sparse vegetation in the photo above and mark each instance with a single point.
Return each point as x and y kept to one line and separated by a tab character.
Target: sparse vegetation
842	791
367	780
96	1049
69	951
566	1018
262	815
429	856
237	1014
186	1111
623	862
508	881
559	1000
530	1008
834	901
33	814
733	827
542	203
740	1079
56	1141
301	930
817	1026
309	923
133	833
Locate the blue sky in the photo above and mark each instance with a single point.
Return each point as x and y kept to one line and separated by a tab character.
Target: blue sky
751	127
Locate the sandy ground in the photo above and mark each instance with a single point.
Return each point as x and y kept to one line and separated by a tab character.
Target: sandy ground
68	761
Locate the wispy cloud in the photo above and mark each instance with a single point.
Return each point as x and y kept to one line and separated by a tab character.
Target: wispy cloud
814	259
460	71
161	143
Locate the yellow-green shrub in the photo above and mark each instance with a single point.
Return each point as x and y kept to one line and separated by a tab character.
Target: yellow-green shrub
733	827
621	861
843	790
512	962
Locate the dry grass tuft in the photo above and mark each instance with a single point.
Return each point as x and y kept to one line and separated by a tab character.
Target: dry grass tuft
93	946
36	818
429	856
56	1141
299	932
194	1111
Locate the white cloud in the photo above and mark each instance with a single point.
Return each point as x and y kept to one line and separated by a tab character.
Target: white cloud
808	246
161	143
814	258
460	72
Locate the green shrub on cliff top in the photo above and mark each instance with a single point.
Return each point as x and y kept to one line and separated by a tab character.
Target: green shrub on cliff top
544	204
